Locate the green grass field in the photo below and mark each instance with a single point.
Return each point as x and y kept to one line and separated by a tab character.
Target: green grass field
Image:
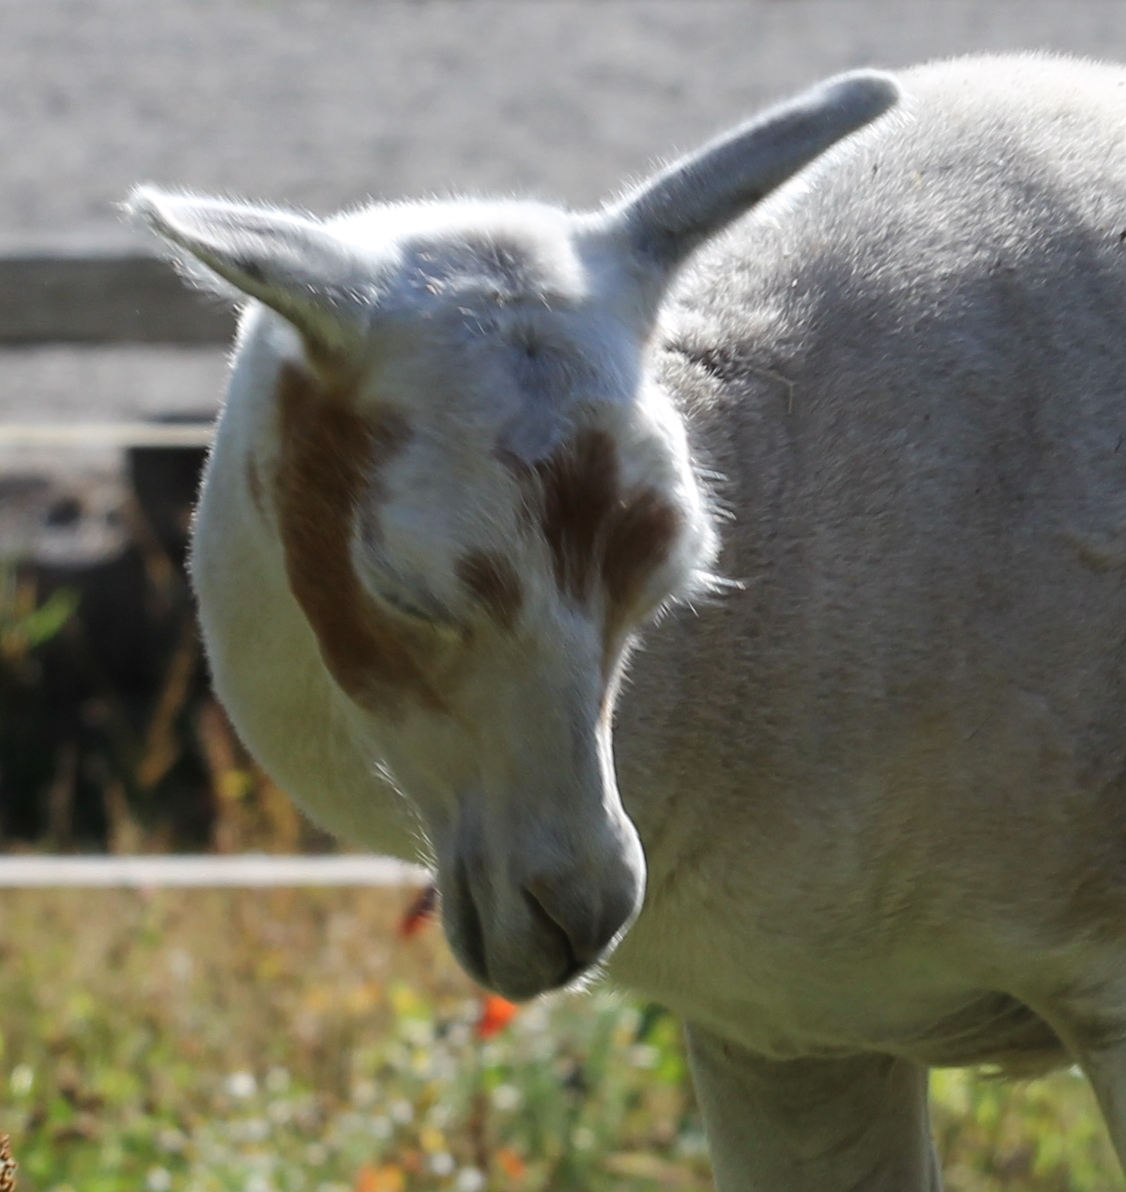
277	1041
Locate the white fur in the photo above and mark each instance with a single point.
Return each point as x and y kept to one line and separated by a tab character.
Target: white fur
880	779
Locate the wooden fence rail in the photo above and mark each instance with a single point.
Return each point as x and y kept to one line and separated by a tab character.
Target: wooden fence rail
113	292
117	293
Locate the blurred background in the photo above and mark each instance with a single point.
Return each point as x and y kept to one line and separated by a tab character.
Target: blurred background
292	1040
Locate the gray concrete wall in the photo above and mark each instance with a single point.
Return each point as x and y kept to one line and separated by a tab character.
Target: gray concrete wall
326	102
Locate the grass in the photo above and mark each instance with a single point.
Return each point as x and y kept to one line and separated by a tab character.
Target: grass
291	1041
287	1040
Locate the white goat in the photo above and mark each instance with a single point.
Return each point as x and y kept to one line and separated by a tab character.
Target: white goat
878	783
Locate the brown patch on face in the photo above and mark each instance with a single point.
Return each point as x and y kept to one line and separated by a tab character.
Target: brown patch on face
490	578
330	458
596	533
639	536
578	486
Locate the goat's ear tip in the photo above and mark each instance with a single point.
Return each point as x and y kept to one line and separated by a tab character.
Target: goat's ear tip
155	207
143	206
874	90
141	197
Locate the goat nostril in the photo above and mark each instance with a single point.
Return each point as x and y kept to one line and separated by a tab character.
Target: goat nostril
572	966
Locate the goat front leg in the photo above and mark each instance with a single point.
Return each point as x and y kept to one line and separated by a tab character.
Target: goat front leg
858	1124
1104	1065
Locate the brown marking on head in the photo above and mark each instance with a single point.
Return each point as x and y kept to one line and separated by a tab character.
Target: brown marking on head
490	578
639	538
330	459
596	533
254	485
640	533
578	486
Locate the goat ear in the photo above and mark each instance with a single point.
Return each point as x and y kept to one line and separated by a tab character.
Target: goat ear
672	213
283	259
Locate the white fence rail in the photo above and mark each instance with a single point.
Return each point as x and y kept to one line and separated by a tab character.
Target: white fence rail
21	436
207	871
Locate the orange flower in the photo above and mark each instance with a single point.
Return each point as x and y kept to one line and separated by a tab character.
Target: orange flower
419	913
496	1014
387	1178
510	1163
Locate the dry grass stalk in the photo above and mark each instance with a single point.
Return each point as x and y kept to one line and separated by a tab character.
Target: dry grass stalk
163	744
7	1166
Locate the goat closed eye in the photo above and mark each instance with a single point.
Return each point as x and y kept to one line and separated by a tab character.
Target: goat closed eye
417	608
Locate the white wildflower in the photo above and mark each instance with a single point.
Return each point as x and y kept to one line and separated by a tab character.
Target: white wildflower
582	1138
442	1163
507	1097
158	1179
643	1055
241	1085
380	1127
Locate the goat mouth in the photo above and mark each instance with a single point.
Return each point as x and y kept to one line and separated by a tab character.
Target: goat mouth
471	933
547	938
572	965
